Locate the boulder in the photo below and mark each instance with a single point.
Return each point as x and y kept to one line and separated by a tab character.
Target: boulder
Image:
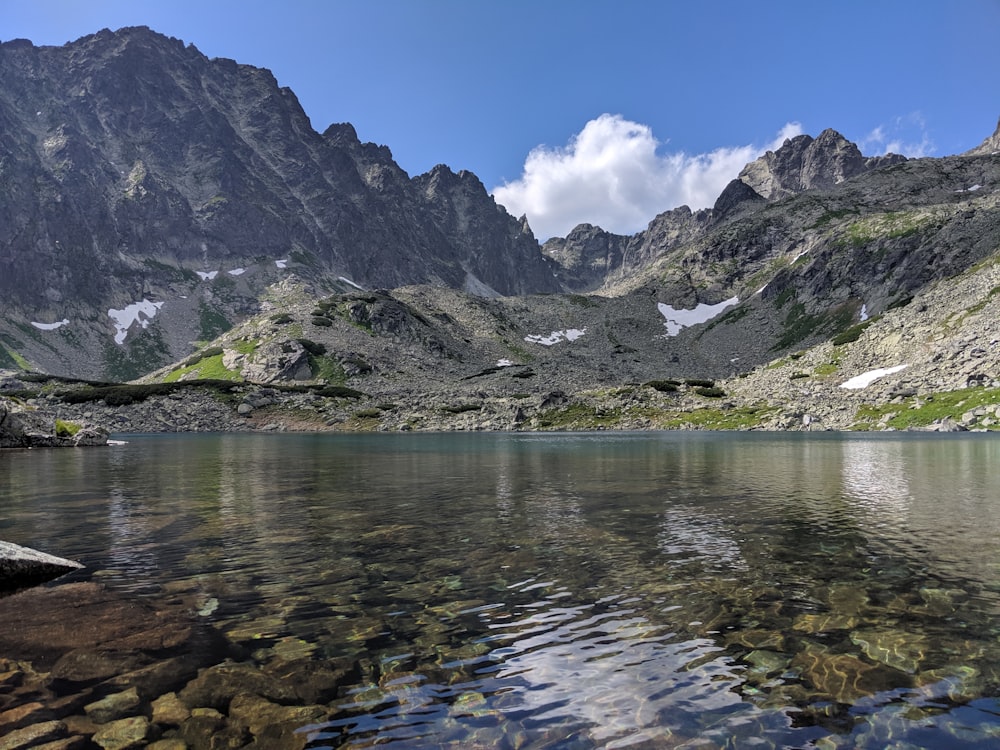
21	428
21	567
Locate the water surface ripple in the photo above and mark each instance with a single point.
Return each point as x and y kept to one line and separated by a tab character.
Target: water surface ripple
567	591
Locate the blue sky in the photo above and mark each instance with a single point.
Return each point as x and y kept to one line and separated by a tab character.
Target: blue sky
607	112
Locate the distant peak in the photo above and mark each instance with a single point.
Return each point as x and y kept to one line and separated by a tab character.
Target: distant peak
803	163
990	146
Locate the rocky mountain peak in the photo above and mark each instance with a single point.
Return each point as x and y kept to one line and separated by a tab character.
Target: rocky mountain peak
152	178
803	163
988	147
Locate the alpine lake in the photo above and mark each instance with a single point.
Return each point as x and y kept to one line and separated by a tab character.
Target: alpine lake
529	590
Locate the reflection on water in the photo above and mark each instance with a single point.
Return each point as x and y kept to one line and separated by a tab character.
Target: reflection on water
567	591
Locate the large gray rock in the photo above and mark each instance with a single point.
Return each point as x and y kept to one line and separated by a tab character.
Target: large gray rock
37	428
21	567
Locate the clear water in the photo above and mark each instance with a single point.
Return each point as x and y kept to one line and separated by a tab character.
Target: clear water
646	590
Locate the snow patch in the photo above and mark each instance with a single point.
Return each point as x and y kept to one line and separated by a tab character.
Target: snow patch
864	312
138	312
348	281
505	363
971	189
865	379
281	263
570	334
237	272
678	319
50	326
207	275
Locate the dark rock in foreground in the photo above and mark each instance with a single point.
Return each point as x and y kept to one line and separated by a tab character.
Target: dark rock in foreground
21	567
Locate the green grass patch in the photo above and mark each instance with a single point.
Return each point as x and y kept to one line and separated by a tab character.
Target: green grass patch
580	417
245	347
67	429
921	411
10	359
886	226
328	369
205	368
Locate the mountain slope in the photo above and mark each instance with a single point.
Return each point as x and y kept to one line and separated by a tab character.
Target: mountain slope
135	168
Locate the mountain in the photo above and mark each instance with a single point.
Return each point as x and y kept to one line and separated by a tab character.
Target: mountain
152	194
175	218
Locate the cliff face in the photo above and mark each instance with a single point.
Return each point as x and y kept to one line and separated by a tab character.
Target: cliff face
135	168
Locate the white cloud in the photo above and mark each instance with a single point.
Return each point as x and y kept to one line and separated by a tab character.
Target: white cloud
611	174
906	135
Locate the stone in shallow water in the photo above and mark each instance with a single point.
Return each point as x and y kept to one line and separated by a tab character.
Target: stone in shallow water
34	735
846	599
170	710
895	648
216	686
767	661
123	734
841	676
315	681
105	634
940	602
262	717
114	706
823	623
21	567
766	639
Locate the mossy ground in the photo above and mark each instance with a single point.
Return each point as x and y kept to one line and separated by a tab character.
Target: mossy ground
921	411
208	368
67	429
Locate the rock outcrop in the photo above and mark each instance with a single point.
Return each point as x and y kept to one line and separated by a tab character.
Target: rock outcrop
805	163
21	567
30	428
586	256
